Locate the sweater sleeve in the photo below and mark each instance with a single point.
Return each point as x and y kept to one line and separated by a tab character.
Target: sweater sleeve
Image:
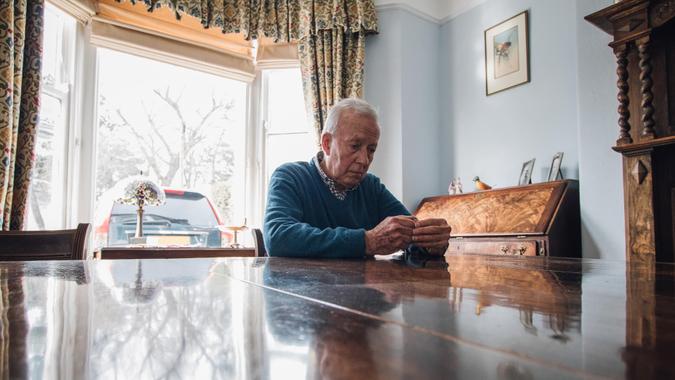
286	234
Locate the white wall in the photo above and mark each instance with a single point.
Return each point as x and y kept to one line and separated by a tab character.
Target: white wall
440	10
433	8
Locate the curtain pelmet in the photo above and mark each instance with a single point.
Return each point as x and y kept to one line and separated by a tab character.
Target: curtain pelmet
282	20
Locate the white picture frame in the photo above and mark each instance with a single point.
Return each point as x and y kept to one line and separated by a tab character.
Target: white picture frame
556	164
526	173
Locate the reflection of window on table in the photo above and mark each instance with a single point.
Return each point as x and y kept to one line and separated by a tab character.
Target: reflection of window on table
46	198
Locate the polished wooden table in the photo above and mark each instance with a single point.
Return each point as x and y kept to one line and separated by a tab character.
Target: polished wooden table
474	317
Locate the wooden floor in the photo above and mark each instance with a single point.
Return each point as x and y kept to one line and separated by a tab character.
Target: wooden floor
473	317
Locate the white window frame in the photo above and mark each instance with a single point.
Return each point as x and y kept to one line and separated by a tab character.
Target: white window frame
89	142
82	181
262	127
66	91
80	173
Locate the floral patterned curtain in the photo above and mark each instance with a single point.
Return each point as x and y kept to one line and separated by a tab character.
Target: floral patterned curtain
330	35
332	54
21	28
332	69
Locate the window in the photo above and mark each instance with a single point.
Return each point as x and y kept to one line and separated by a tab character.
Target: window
185	129
46	197
288	135
188	129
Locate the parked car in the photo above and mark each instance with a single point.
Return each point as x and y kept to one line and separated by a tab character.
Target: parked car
187	218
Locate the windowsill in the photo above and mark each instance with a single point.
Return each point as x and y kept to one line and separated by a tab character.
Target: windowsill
114	253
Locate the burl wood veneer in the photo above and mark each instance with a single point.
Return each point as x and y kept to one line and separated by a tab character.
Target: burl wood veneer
535	220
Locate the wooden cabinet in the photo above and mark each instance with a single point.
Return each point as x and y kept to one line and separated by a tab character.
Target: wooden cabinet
535	220
643	42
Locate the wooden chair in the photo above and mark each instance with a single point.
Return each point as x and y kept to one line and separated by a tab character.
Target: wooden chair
44	245
258	242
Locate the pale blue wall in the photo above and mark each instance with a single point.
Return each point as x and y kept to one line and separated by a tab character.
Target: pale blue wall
407	158
568	106
600	168
491	136
421	115
428	82
382	88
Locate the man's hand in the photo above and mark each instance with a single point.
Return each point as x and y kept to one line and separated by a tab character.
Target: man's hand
392	234
432	234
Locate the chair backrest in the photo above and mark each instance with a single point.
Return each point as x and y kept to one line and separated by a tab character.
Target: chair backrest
258	242
44	245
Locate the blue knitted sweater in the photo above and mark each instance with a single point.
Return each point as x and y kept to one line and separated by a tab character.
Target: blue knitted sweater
303	218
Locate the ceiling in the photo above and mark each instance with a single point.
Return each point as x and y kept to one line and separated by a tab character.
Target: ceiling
438	10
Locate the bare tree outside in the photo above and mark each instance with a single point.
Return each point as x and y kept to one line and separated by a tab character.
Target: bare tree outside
182	129
178	154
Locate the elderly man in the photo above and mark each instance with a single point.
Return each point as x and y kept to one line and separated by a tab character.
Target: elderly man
332	207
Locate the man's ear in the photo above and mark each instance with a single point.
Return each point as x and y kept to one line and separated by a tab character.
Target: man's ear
326	139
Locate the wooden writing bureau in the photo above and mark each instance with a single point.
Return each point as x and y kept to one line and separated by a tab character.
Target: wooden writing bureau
535	220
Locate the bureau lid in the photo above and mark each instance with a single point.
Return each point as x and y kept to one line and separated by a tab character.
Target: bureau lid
522	210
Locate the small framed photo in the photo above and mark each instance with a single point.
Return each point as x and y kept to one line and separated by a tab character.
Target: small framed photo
554	173
507	54
526	173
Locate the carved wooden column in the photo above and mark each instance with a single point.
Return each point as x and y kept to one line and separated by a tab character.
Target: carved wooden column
622	97
646	89
644	47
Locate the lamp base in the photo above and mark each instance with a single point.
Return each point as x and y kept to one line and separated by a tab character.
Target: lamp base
138	240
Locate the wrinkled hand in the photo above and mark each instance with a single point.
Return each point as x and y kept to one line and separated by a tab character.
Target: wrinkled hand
392	234
432	234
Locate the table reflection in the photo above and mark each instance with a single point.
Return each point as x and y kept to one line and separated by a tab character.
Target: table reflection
650	319
556	296
472	316
337	347
163	319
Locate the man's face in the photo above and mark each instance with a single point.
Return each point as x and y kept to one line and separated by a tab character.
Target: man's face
349	152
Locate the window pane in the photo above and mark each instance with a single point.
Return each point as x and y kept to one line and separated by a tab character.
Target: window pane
286	103
289	148
46	198
183	128
52	58
46	189
289	135
186	218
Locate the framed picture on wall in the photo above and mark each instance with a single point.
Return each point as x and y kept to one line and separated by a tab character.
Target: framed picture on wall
507	54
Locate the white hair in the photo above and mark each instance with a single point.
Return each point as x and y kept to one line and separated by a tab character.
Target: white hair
358	106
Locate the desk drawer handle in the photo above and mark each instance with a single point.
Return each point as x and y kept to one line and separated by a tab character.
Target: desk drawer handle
522	250
504	249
